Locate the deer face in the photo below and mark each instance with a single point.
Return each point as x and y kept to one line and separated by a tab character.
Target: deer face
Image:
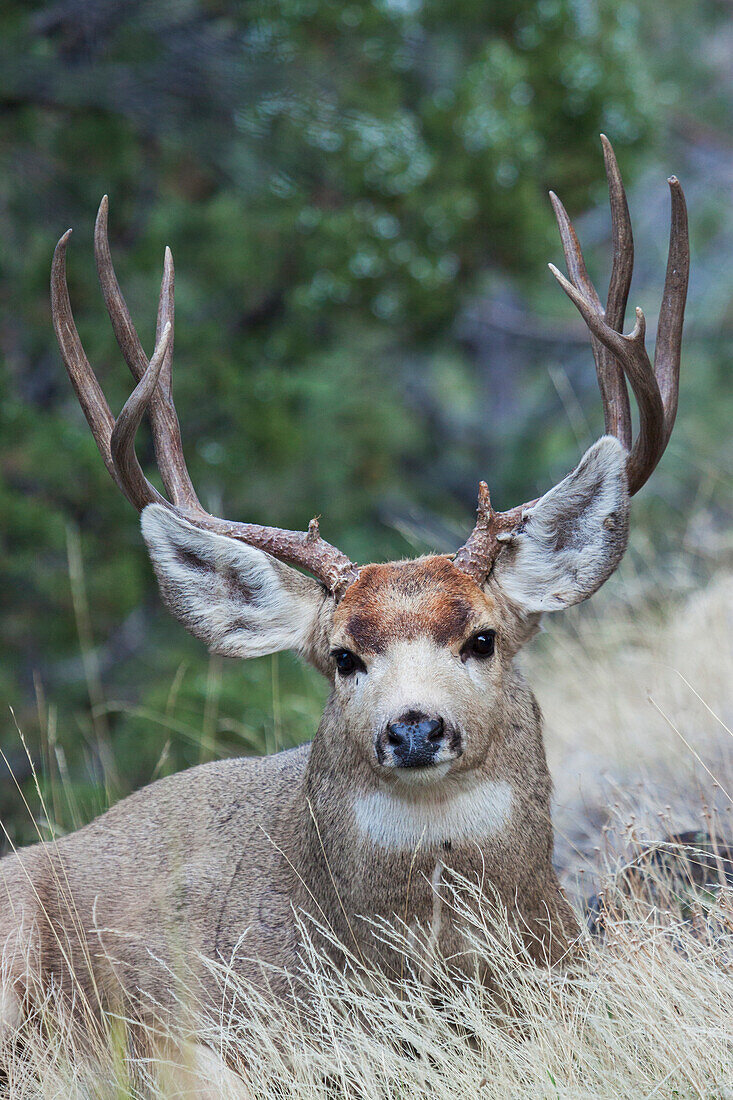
417	651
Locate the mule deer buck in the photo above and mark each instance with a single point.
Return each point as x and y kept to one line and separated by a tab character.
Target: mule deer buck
429	757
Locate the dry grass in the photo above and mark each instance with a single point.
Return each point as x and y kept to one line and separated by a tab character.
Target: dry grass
638	707
646	1012
638	714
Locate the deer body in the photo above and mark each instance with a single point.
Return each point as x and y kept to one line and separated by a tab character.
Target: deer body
429	758
218	860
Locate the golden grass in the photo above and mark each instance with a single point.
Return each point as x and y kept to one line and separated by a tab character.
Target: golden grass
638	708
645	1012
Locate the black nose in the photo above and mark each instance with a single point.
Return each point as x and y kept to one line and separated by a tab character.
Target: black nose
415	739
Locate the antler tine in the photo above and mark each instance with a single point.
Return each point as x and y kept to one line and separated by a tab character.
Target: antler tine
667	353
573	253
631	351
472	556
137	488
623	241
83	379
163	415
166	315
477	554
163	418
611	381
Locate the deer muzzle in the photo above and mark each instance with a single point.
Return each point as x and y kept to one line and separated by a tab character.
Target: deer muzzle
417	740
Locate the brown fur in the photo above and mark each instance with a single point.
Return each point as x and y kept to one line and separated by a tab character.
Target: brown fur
427	596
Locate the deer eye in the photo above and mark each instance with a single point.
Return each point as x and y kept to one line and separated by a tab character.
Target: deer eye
347	662
480	645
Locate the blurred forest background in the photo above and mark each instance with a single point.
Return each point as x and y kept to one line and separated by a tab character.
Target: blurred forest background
356	198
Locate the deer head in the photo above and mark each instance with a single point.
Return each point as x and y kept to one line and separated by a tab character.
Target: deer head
418	651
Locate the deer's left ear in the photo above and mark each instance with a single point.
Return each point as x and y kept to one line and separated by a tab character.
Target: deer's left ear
573	538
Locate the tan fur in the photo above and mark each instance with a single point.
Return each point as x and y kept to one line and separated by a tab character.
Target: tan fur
217	860
224	861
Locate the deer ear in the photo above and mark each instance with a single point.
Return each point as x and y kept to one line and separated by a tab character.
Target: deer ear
239	600
573	538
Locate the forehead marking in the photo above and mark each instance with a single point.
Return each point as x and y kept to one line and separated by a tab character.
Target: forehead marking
408	599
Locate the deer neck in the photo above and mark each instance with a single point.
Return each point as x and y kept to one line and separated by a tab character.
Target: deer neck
362	837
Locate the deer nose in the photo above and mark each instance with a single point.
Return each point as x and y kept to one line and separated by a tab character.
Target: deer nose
415	739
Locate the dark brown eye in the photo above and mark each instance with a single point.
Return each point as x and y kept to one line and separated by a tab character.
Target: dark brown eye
346	662
481	645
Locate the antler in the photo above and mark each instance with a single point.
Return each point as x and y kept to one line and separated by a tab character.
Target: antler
617	357
152	394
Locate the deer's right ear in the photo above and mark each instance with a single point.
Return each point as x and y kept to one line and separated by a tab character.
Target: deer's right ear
239	600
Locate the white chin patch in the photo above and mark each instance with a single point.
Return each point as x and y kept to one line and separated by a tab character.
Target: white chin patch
399	820
420	777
